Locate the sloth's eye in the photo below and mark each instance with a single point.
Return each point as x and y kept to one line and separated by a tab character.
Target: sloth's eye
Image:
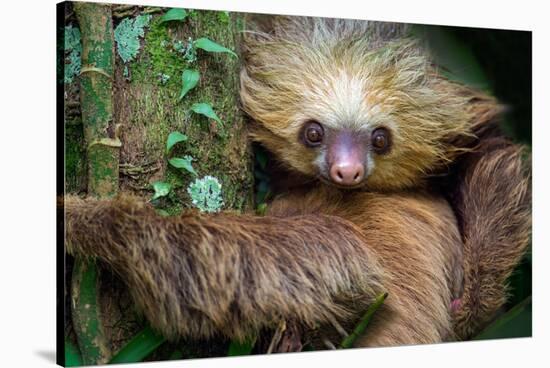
381	140
313	133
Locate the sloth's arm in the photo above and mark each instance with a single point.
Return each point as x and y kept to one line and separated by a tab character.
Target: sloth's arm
197	274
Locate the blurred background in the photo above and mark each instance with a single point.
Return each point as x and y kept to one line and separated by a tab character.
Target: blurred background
499	62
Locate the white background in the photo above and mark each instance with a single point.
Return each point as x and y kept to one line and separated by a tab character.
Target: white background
27	181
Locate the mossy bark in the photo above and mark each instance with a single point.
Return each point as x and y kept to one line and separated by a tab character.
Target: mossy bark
96	96
148	110
142	111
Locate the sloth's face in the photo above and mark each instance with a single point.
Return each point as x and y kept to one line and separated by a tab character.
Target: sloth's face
346	157
356	132
380	120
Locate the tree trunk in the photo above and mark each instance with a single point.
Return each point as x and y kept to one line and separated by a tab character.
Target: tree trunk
96	96
137	103
148	111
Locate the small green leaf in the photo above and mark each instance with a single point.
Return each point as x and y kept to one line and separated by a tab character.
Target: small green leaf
189	79
174	14
183	163
173	138
141	345
363	323
211	46
206	110
161	189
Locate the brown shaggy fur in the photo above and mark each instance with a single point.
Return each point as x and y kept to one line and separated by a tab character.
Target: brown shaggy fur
493	205
322	254
197	274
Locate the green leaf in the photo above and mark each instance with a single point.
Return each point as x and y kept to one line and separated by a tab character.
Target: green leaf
173	138
189	79
517	322
141	345
360	328
183	163
211	46
72	355
161	189
241	348
206	110
174	14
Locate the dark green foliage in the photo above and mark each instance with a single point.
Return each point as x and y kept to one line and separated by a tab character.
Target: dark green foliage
517	322
72	355
506	59
143	344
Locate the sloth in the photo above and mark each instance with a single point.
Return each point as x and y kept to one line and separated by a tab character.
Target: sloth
393	179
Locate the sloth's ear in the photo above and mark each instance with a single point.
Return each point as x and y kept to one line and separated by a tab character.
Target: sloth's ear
484	113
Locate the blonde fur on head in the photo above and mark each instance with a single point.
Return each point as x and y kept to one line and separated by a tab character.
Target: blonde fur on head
358	75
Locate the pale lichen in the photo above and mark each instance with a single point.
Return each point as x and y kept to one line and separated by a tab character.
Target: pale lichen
127	36
73	49
206	194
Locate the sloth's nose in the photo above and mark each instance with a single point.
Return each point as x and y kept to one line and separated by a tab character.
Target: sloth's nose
347	172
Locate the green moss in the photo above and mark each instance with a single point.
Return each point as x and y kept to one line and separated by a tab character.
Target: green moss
97	55
97	105
103	158
157	57
95	21
154	110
